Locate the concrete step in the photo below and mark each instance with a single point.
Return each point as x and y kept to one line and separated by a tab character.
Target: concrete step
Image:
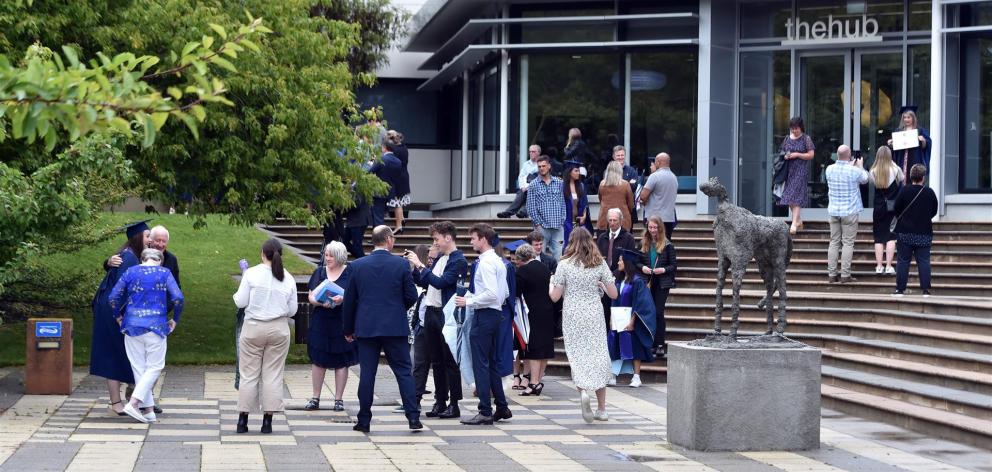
866	274
933	422
864	287
859	329
892	318
963	380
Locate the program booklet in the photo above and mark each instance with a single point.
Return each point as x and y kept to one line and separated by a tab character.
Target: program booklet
326	291
620	317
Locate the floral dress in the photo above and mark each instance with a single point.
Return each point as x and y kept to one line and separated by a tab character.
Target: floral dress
583	323
796	190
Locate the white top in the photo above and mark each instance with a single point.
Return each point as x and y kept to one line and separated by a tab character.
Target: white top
526	168
490	283
263	297
433	297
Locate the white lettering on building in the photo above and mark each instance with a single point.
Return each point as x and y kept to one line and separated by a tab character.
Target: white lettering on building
831	31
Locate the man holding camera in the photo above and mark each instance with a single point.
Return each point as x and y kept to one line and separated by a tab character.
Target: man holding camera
844	180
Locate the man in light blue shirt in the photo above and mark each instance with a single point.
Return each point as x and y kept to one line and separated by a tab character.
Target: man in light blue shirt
844	180
546	206
528	172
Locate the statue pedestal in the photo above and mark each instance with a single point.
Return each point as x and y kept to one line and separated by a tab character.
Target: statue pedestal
723	399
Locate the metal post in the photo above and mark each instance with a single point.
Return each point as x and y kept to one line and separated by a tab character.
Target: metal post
465	124
504	109
937	103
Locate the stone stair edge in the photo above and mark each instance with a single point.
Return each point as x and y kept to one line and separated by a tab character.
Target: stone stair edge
856	311
963	397
861	283
910	366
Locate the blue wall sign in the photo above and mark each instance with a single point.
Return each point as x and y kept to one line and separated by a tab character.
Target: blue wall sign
48	329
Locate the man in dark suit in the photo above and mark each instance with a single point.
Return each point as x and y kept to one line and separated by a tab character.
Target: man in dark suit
612	243
355	222
440	280
378	295
389	169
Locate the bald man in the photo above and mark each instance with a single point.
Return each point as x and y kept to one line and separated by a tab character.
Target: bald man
658	195
844	180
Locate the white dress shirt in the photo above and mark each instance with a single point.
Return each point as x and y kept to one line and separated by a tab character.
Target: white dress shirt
490	283
433	297
263	297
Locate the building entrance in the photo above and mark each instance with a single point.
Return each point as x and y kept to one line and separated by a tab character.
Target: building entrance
847	97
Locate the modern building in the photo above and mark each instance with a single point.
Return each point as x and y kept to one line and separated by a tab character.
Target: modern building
711	82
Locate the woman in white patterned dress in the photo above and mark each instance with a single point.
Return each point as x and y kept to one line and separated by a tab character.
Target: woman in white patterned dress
582	278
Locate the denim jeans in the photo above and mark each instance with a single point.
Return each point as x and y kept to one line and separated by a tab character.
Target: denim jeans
552	240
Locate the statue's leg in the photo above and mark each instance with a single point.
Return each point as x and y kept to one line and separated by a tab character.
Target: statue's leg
782	300
721	274
738	275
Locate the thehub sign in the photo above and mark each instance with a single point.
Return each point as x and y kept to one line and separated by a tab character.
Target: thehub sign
831	31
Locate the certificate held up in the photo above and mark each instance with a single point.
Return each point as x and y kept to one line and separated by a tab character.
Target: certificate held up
905	139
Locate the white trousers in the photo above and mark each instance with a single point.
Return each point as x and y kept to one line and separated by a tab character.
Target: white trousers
147	356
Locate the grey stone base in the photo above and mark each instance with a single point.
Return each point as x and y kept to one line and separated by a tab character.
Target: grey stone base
743	399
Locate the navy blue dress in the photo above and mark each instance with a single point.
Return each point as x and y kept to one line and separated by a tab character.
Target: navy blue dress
108	359
326	345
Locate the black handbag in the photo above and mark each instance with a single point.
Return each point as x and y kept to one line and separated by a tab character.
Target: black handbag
895	221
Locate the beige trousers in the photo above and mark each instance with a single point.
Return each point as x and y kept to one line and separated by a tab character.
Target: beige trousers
262	360
843	232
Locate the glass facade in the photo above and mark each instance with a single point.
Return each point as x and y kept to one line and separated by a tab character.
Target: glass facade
763	117
663	108
976	110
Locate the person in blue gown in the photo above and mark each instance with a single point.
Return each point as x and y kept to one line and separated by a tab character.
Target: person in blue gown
632	346
108	359
907	158
326	345
576	200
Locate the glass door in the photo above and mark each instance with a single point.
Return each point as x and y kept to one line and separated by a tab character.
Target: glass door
878	85
825	107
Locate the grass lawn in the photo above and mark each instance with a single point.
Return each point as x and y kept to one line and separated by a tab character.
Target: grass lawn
208	257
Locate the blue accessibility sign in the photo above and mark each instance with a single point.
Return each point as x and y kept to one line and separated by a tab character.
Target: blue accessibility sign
48	329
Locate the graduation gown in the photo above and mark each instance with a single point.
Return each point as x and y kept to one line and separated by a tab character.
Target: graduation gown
917	155
636	295
108	359
570	217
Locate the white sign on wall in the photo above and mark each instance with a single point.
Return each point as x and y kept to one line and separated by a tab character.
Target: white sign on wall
831	31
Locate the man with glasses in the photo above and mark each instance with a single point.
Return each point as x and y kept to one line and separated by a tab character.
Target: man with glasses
528	172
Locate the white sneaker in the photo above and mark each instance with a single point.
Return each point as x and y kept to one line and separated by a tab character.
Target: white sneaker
134	413
150	416
612	382
879	269
635	382
602	415
890	270
586	407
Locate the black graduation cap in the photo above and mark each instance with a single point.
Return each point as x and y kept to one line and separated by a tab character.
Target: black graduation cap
135	228
630	256
912	108
569	165
513	245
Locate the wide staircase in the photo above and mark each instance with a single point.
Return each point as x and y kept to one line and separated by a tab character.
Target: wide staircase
920	363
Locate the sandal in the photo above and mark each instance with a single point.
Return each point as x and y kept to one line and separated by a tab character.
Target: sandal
338	405
517	382
110	407
533	390
312	404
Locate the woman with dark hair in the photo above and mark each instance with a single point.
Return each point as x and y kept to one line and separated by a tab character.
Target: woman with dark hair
887	179
326	345
582	278
402	182
576	200
632	345
268	295
916	206
660	266
108	357
798	150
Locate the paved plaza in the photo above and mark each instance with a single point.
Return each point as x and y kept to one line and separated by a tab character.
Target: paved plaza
196	432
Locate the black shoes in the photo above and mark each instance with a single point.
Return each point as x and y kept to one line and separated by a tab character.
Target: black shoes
312	404
360	427
504	214
522	214
266	423
416	425
157	410
450	412
478	420
502	414
242	423
533	390
437	410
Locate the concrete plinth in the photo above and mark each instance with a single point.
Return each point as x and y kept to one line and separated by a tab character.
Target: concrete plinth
743	399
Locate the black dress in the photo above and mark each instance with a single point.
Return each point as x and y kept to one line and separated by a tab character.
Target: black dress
533	279
881	218
326	345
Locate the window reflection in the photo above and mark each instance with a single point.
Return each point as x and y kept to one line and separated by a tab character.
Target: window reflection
976	123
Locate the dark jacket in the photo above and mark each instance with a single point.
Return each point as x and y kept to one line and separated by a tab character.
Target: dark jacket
360	216
549	261
665	259
918	217
578	151
389	170
624	240
454	270
403	182
532	281
379	293
170	262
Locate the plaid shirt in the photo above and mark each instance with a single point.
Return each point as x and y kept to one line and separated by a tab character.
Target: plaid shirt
546	203
843	184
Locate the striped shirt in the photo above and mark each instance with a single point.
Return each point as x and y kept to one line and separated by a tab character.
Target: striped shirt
843	188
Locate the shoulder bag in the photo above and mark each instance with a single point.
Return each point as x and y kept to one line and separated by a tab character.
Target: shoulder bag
895	221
